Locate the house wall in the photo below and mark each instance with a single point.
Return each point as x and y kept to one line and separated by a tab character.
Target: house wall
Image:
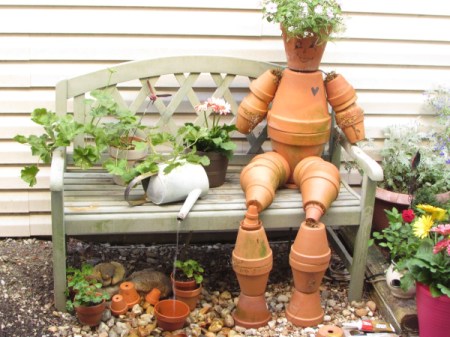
391	52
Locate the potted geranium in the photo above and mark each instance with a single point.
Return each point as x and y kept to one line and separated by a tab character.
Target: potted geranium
306	27
85	295
430	269
398	240
212	138
187	281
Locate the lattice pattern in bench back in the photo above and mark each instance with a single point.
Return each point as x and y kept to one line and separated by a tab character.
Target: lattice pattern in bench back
89	203
133	83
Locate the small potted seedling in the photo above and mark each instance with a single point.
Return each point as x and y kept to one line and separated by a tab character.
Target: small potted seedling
85	295
187	281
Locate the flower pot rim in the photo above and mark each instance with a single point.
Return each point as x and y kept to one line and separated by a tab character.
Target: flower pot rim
391	196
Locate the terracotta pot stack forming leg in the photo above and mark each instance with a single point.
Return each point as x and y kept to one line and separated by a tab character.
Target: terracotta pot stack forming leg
309	259
252	262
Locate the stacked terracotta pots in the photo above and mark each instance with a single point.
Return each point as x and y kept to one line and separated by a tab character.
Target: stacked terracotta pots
252	262
349	116
319	184
261	178
255	105
309	259
299	123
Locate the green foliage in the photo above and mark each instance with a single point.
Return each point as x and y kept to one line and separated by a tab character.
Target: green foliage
191	269
58	131
87	290
303	18
428	268
400	146
106	124
398	237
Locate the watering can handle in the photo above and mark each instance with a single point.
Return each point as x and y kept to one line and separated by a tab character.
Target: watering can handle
132	184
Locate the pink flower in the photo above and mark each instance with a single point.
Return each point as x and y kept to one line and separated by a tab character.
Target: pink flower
408	215
442	229
441	245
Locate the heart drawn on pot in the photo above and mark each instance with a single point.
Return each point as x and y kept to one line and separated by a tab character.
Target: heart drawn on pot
315	90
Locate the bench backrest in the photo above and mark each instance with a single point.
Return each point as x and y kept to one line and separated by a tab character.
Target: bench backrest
183	81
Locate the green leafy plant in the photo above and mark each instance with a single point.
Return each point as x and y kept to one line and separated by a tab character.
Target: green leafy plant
211	136
305	18
401	145
191	269
85	288
430	264
397	237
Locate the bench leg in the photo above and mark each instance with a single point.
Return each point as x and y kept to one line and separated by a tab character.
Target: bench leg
361	247
59	251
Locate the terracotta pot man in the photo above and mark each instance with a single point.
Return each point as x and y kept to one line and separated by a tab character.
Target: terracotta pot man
299	126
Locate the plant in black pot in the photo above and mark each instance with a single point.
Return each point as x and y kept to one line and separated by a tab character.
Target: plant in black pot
187	281
86	297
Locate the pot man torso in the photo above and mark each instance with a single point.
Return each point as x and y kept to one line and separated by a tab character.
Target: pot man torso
299	122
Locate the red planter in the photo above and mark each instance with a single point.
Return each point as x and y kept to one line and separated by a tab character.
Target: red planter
91	315
171	314
433	313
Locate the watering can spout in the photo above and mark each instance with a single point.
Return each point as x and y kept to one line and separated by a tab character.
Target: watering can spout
189	202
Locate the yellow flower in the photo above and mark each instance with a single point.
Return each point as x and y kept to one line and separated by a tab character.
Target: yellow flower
422	226
438	214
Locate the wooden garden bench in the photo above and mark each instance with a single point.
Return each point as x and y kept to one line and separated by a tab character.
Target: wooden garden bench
87	202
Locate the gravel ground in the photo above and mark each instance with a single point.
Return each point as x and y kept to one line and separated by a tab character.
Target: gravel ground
26	291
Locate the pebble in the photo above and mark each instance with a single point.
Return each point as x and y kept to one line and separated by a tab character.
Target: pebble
283	298
361	312
371	305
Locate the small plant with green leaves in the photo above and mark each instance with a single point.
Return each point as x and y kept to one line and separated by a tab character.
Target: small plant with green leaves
398	237
86	289
191	270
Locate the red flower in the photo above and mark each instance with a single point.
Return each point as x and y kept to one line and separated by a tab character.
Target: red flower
408	215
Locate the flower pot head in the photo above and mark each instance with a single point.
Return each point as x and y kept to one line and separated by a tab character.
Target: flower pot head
171	314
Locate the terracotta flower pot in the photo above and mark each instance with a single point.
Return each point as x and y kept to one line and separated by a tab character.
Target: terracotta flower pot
304	54
153	296
129	293
300	127
265	86
252	261
190	297
251	112
182	285
251	312
261	177
340	93
385	199
319	185
118	305
330	331
171	314
309	257
351	122
90	315
304	310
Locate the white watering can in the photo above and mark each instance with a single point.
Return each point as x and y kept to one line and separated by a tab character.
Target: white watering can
188	181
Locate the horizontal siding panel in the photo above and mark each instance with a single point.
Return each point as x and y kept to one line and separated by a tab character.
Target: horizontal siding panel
10	179
119	48
217	4
40	225
365	77
25	201
386	27
433	7
15	225
136	21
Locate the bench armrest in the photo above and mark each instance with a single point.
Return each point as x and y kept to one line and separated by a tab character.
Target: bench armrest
369	166
57	169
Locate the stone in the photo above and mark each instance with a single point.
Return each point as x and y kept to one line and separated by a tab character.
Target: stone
371	305
361	312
